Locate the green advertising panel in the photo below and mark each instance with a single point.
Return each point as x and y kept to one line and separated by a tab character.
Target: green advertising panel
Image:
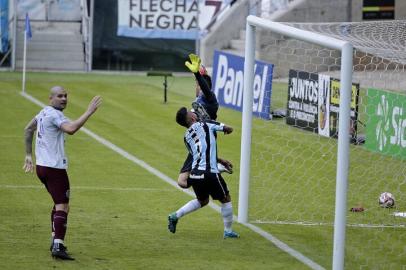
386	126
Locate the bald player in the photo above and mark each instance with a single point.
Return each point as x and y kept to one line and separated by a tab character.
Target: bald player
51	162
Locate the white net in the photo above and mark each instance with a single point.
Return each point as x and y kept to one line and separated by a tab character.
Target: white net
293	165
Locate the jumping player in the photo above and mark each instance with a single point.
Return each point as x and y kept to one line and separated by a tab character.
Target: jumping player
205	107
205	178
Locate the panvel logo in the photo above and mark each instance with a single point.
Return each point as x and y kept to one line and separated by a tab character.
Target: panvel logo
386	128
228	85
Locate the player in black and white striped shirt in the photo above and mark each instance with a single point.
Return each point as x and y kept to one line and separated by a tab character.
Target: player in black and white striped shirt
205	107
200	140
201	144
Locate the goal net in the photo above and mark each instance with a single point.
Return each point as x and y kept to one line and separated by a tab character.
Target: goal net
292	188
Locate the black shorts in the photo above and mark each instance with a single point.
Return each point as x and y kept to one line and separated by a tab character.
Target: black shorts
205	184
56	182
187	165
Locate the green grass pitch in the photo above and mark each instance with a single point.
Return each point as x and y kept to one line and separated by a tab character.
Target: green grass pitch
118	217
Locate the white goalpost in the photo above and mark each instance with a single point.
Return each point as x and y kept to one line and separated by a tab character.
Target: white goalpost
346	49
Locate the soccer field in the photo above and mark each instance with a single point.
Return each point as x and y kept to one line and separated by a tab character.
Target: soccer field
119	210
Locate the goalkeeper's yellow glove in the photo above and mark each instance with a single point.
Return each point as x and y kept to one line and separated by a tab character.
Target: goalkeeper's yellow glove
194	63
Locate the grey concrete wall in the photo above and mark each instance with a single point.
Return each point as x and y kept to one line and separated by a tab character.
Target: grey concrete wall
318	11
226	28
334	11
288	54
53	46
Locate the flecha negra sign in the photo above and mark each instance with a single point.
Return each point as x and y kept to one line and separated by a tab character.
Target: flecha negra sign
314	103
165	18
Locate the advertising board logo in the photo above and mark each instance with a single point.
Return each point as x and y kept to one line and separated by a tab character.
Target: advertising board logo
228	85
382	127
386	125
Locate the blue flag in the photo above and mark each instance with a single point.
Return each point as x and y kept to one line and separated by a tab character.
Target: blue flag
28	26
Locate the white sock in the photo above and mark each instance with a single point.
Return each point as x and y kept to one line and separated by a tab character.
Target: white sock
191	206
227	213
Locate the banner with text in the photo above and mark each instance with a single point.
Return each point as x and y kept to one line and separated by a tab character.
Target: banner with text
165	18
386	126
3	26
228	83
335	107
313	103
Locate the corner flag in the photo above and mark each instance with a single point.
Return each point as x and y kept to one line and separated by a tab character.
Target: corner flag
27	26
27	35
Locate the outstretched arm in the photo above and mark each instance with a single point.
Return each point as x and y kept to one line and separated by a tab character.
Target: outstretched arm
204	86
29	131
72	127
213	125
193	65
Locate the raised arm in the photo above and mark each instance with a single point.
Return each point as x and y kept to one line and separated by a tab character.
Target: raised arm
204	86
193	65
73	126
29	131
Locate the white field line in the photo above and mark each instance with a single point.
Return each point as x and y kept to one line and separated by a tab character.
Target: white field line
284	247
91	188
359	225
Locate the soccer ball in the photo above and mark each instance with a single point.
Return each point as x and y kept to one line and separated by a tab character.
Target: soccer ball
386	200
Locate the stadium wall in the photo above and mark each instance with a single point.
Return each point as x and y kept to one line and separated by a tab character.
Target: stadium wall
285	54
225	29
316	11
288	54
331	11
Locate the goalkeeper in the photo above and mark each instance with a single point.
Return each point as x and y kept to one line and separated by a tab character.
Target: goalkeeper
205	107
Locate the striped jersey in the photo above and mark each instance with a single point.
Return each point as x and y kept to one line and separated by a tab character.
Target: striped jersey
200	140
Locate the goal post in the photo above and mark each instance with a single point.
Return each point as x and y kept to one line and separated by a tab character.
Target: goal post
346	50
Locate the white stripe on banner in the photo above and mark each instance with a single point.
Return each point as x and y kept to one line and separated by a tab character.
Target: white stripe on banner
299	256
135	32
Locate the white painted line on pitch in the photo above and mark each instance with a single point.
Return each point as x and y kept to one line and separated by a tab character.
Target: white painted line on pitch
359	225
281	245
299	256
39	186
